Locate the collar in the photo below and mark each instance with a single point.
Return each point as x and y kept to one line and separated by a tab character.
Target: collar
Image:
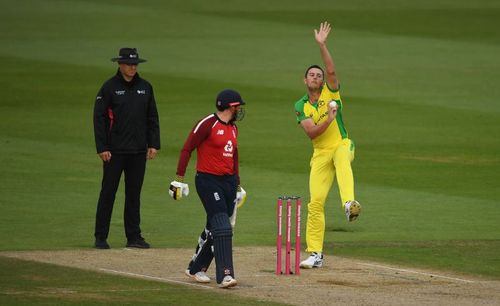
223	122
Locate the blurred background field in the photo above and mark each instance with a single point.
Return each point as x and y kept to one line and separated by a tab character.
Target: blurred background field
418	80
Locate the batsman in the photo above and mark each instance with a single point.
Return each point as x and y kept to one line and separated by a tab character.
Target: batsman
218	186
319	113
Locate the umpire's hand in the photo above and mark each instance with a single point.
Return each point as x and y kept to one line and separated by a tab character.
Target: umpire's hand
151	153
105	156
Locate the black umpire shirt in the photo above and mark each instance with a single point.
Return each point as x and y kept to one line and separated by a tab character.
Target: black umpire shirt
125	116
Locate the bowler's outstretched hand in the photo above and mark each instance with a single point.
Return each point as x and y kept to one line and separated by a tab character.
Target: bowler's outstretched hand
322	34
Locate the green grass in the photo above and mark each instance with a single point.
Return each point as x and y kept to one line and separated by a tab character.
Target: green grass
421	103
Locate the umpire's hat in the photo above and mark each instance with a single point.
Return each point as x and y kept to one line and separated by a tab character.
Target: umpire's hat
227	98
128	56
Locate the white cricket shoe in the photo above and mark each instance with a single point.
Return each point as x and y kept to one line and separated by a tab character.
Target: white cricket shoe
352	210
228	282
200	277
315	260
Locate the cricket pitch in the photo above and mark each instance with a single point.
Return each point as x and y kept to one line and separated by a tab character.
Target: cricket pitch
341	281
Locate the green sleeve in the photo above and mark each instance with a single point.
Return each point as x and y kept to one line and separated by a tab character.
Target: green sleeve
299	111
332	90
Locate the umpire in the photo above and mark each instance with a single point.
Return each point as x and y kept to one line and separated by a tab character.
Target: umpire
127	132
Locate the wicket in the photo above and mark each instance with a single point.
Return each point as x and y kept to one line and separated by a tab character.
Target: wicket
279	244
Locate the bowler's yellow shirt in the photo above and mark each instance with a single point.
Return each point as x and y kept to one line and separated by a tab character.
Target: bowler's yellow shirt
318	112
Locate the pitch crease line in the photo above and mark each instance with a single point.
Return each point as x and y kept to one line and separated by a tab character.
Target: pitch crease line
155	278
416	272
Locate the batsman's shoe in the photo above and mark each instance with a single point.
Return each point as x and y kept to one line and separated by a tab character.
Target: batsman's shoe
228	282
139	243
200	277
315	260
352	210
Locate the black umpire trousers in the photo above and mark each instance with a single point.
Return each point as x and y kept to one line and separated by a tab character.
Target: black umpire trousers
134	168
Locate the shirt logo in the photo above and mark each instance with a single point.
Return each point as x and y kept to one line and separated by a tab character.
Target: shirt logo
141	92
120	92
325	114
228	149
229	146
216	196
220	132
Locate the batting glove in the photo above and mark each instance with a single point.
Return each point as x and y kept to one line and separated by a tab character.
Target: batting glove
178	189
241	196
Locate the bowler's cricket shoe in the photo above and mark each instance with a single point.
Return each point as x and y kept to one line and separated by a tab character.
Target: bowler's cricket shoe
200	277
352	210
228	282
315	260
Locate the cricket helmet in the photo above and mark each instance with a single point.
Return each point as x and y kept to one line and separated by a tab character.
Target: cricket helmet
227	98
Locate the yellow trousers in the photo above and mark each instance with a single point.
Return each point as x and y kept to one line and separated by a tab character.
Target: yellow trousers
325	165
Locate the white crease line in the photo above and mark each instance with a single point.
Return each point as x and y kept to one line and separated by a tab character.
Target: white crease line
155	278
416	272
